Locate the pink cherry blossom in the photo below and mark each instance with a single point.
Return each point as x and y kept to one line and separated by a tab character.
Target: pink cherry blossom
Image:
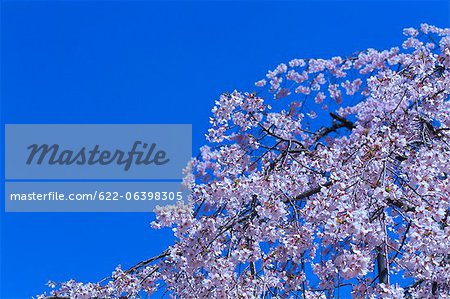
282	206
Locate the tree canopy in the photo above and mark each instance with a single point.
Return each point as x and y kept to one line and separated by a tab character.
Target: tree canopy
331	178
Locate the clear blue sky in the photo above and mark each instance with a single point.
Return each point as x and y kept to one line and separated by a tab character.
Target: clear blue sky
151	62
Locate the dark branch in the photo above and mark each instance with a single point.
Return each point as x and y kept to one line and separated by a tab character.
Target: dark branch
348	124
339	122
312	191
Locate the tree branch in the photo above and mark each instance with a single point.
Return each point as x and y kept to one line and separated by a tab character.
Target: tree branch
341	123
312	191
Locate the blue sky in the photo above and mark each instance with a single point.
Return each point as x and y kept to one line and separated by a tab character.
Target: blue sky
151	62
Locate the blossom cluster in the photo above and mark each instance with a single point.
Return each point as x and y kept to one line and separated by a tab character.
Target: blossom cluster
281	207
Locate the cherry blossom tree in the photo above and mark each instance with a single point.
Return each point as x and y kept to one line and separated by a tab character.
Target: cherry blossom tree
330	180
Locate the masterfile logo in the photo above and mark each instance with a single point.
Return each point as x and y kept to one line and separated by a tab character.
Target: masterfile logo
95	168
141	153
97	151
